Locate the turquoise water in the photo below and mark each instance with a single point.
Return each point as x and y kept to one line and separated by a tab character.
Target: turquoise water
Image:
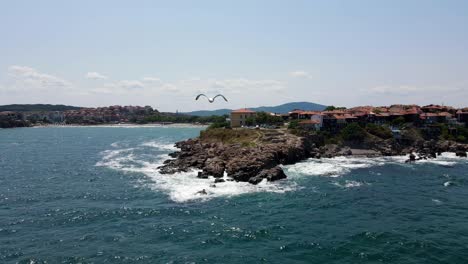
93	195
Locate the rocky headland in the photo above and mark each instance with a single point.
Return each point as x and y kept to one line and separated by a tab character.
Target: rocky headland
244	155
250	155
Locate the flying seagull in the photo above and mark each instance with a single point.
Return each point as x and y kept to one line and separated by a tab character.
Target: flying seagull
211	100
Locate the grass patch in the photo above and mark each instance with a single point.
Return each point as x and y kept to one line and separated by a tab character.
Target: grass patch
245	137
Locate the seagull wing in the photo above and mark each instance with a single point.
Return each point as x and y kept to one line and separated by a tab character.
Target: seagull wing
220	95
198	96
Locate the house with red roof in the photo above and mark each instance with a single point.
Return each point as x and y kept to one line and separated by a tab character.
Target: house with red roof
240	116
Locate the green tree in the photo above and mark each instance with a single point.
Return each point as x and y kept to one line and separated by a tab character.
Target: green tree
332	107
462	139
294	124
250	121
398	122
353	132
222	124
379	131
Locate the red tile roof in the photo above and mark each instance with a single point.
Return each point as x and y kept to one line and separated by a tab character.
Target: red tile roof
309	122
243	111
339	116
349	116
309	113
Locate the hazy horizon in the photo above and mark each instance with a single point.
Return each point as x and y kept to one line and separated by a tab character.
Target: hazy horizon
264	53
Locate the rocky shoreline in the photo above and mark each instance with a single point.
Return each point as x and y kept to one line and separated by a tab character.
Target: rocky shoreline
241	162
259	156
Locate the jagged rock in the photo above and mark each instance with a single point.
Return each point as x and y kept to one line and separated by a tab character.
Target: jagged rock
174	154
218	180
240	162
412	158
258	159
346	151
461	154
214	167
203	192
201	175
272	174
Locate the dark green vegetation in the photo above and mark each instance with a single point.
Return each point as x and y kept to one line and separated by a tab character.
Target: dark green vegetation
182	118
331	108
458	133
263	118
293	124
353	132
379	131
398	122
373	133
281	109
13	123
36	107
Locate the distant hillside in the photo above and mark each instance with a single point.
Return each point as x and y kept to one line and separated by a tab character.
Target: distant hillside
281	109
218	112
36	107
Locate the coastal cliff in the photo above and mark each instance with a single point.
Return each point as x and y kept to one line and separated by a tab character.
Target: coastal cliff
250	155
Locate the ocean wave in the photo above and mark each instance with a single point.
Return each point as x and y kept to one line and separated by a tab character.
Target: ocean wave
338	166
331	167
185	186
160	145
349	184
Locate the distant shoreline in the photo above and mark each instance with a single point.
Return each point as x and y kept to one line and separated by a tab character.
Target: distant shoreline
181	125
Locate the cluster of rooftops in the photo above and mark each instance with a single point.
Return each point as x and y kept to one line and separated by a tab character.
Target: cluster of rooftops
411	113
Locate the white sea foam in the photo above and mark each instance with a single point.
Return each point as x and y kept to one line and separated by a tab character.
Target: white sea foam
448	183
332	167
183	187
115	144
349	184
337	166
160	145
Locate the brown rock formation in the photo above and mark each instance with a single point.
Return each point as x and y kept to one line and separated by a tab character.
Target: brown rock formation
248	161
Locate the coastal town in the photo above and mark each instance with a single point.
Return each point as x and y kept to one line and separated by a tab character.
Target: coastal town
335	118
254	145
90	116
432	120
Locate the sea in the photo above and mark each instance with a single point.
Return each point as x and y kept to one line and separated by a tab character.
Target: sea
94	195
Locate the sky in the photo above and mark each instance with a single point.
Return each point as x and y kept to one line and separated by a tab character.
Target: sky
163	53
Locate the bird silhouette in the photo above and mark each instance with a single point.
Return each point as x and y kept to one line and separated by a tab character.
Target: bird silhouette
211	100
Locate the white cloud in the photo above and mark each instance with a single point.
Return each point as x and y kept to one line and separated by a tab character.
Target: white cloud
239	91
450	94
300	74
151	79
404	90
237	85
95	76
131	85
27	77
126	85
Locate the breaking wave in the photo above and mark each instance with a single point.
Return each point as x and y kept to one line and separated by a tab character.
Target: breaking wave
183	187
159	145
180	187
350	184
338	166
